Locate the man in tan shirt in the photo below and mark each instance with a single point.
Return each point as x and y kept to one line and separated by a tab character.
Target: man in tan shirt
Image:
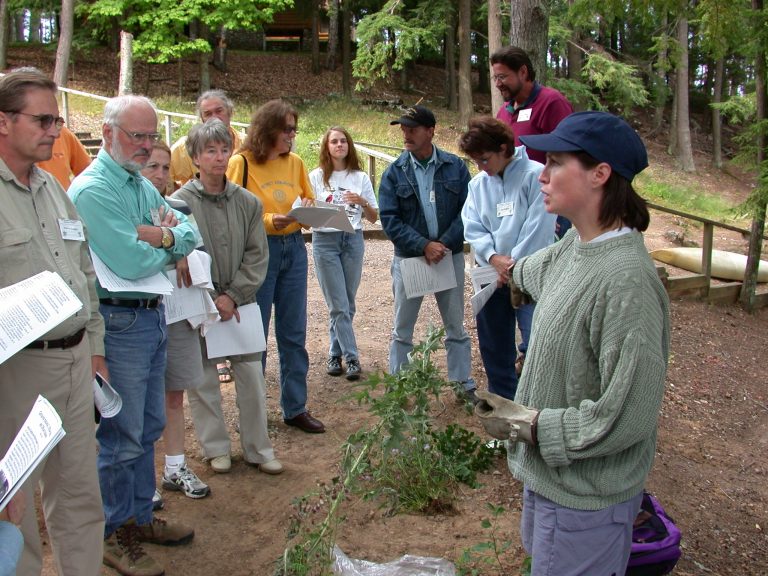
210	104
40	230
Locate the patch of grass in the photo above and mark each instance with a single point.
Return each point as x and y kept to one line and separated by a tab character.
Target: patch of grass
685	199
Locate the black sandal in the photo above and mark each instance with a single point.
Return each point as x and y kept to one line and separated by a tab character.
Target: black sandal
225	373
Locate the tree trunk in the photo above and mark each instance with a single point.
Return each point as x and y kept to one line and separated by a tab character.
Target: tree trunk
64	48
220	51
346	49
672	148
717	125
466	109
205	71
126	63
758	217
4	33
684	146
529	30
315	37
333	34
450	64
494	43
19	27
660	80
34	26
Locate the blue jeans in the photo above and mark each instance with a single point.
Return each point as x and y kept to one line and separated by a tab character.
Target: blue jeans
496	335
451	306
135	341
286	287
339	266
11	545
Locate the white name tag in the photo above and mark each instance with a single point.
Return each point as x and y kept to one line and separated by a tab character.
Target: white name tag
432	196
154	213
505	209
524	115
71	229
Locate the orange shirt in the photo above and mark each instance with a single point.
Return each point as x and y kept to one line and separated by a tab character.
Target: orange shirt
69	158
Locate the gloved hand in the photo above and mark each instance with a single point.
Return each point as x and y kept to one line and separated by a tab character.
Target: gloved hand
505	419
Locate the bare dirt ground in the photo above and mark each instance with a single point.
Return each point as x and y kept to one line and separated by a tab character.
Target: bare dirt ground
712	450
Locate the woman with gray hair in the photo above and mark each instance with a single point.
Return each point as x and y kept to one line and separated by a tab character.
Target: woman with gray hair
230	221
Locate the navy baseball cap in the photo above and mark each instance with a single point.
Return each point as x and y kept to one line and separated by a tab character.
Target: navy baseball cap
605	137
416	116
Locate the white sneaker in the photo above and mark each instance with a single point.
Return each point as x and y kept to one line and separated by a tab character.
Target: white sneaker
157	501
271	467
221	464
187	482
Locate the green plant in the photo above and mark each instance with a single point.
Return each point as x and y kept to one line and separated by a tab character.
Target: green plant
481	557
410	465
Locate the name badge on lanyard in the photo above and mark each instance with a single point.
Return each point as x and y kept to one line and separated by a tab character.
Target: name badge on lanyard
524	115
505	209
71	229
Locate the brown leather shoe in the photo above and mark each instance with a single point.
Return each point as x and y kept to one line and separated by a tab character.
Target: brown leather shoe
306	423
123	552
161	532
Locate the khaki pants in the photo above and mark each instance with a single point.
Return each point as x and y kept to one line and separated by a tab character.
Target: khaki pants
211	430
68	478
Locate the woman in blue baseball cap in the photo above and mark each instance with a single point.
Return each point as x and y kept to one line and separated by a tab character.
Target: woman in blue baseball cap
587	405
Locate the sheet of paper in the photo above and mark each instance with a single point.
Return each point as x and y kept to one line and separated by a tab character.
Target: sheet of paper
481	298
421	278
200	269
155	284
482	276
40	432
32	307
185	302
326	216
231	338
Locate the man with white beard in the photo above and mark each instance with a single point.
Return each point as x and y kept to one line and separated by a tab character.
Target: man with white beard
136	234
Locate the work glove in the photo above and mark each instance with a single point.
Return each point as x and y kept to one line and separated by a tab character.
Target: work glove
505	419
517	297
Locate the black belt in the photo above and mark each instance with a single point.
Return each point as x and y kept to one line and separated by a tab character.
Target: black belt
62	343
130	303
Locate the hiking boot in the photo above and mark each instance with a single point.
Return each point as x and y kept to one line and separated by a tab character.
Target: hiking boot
157	501
161	532
124	553
333	366
353	369
186	481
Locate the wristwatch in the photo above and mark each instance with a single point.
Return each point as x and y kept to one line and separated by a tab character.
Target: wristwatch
167	240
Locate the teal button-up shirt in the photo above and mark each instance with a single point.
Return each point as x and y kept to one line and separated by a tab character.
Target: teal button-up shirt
112	202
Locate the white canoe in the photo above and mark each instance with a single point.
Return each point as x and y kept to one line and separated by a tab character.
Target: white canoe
725	265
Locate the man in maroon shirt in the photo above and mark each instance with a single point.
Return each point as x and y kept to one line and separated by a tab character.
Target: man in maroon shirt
529	108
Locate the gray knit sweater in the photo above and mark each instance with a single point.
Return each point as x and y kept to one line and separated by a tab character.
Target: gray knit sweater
595	367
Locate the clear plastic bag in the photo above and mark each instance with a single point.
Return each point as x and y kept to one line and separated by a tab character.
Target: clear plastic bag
404	566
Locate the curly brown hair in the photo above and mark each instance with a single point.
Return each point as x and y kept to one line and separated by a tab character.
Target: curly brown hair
487	134
267	122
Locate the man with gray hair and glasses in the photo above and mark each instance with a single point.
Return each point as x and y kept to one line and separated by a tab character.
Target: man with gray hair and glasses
40	230
136	234
210	104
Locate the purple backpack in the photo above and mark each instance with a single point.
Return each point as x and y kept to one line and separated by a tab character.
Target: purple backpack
655	541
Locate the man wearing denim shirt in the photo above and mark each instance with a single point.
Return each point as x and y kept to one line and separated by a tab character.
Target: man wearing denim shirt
420	201
136	234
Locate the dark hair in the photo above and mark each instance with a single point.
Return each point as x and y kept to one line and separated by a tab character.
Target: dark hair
326	162
486	134
514	58
203	134
267	123
15	84
620	201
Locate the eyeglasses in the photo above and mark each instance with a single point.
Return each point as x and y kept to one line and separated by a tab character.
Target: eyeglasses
290	130
46	120
140	137
499	77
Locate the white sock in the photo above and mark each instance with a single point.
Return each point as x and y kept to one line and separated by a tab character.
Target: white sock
173	463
